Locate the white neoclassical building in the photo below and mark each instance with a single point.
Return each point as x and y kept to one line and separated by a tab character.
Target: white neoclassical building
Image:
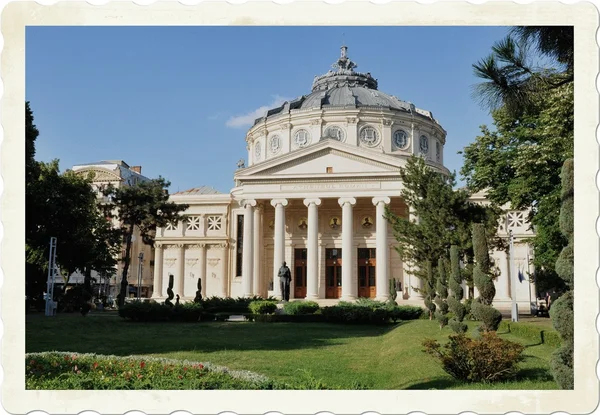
321	170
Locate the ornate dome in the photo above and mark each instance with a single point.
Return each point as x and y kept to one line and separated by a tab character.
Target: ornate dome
343	87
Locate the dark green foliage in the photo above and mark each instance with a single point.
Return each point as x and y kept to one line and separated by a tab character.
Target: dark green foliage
142	311
234	305
482	278
429	290
488	315
262	307
488	359
300	307
562	367
561	313
532	332
187	312
454	299
441	299
561	310
369	312
287	318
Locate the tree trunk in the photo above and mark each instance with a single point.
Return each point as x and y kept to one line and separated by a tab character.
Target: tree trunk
123	293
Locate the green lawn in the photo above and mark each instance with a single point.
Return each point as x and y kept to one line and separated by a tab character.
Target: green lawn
376	357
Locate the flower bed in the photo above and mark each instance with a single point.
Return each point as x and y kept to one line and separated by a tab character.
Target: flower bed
60	370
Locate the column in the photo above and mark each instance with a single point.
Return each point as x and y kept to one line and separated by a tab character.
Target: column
347	247
257	251
312	253
158	268
248	255
381	267
202	266
181	269
279	248
227	253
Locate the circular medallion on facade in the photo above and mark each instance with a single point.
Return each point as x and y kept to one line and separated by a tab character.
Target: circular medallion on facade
400	139
301	138
367	222
257	151
438	151
335	223
275	144
335	133
369	136
424	144
303	224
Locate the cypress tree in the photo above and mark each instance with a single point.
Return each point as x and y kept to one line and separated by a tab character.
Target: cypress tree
561	310
440	300
454	300
429	290
482	309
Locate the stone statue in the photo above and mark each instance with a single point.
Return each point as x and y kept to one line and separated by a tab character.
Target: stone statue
198	297
170	291
241	163
285	277
177	300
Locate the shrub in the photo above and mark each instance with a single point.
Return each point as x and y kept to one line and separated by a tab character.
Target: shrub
429	290
262	307
487	359
235	305
488	315
186	312
454	282
405	312
300	307
287	318
355	314
441	299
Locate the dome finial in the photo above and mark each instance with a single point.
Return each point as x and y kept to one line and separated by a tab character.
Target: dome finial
344	64
344	50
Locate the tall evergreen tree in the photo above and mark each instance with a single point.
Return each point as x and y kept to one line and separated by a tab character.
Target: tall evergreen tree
144	206
561	310
456	293
442	294
429	288
444	216
482	277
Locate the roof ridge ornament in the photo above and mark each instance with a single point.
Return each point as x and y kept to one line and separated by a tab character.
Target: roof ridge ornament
344	65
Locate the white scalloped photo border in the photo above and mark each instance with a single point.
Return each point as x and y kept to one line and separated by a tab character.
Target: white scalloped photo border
584	16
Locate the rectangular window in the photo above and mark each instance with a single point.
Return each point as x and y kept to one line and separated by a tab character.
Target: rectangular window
240	245
329	169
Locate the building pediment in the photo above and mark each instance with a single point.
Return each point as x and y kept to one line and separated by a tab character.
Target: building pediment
326	158
100	174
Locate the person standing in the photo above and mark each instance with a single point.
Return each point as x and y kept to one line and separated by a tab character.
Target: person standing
285	277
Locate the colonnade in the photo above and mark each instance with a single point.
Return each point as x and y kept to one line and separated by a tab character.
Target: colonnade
251	239
179	285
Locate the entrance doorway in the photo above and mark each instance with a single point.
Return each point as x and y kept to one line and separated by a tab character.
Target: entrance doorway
333	273
366	272
300	273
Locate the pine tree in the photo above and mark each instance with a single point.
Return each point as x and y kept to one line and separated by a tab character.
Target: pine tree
442	295
482	278
454	300
561	310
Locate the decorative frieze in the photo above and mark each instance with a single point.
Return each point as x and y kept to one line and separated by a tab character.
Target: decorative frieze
213	262
169	262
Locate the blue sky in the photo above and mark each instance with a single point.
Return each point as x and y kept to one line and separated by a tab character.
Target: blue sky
178	100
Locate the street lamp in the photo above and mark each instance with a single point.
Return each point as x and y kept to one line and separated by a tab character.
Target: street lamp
514	313
141	259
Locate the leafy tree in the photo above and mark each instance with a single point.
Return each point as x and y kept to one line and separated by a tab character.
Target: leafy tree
444	218
62	206
562	309
442	294
519	162
454	299
144	206
482	277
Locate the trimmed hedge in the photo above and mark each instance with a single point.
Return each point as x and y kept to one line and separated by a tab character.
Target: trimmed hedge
529	331
262	307
369	312
300	307
287	318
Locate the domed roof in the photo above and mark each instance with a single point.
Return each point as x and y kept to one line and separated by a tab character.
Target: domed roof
345	88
